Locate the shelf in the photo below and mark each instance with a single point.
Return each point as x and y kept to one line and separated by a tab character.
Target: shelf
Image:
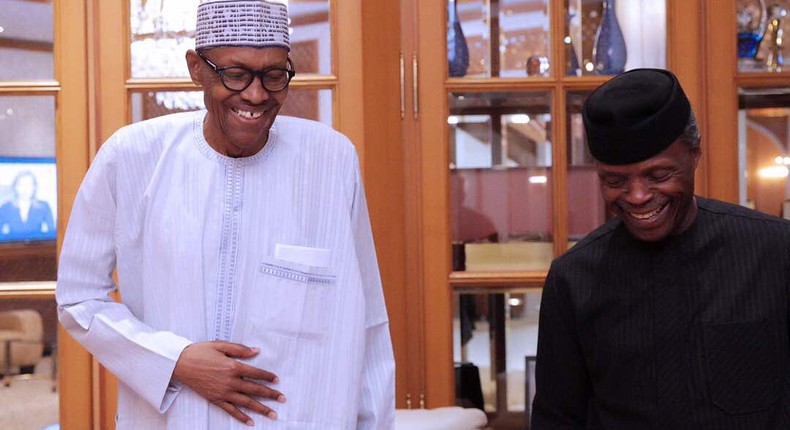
492	281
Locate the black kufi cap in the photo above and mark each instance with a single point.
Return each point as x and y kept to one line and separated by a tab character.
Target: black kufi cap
635	115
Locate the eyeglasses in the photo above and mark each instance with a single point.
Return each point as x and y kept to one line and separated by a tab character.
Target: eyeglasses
237	78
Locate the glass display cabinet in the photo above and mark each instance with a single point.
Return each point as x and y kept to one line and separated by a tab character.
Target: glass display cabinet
34	112
522	187
763	103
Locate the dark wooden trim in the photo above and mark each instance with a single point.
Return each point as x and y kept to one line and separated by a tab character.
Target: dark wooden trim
27	45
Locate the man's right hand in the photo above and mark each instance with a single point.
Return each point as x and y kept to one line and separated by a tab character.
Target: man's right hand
212	370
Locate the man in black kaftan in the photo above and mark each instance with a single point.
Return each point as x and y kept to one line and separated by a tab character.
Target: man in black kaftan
674	314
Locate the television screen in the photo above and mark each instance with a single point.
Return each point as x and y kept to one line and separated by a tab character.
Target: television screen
28	199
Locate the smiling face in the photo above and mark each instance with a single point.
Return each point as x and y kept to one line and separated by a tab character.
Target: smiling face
237	123
655	197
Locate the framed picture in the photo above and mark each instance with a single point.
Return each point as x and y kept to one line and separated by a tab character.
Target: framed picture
28	199
786	209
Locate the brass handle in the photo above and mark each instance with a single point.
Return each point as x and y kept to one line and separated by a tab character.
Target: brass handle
415	87
402	86
408	401
422	401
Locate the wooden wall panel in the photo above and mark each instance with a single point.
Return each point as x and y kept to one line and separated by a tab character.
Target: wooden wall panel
383	169
71	30
685	57
720	136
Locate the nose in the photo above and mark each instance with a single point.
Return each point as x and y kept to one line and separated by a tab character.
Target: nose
637	193
255	93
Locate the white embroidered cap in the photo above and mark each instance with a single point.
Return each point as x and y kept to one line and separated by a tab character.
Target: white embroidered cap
255	23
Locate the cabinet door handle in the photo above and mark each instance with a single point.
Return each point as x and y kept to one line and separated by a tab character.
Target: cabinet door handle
415	87
402	86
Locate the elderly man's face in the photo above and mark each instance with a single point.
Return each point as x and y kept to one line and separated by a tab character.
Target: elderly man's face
238	122
655	197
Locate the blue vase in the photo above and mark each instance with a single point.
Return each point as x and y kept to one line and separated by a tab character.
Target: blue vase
457	50
571	59
751	20
609	52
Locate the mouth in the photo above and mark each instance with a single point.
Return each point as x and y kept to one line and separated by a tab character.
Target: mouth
647	217
247	115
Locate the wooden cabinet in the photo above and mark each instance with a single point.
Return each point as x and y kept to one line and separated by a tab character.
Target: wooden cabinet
434	105
749	144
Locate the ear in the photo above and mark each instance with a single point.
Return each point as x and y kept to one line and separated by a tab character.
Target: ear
696	153
194	64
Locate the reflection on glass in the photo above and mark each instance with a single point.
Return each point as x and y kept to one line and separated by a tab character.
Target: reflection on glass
751	18
643	25
303	103
311	36
772	50
500	179
26	40
163	30
310	104
586	208
27	126
764	148
151	104
495	341
519	29
28	331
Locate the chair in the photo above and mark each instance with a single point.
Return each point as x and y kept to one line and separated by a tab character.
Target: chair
444	418
21	342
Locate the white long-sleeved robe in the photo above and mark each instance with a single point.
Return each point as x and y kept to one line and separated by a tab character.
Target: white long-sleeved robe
273	251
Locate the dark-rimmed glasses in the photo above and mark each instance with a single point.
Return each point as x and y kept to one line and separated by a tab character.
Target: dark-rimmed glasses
237	78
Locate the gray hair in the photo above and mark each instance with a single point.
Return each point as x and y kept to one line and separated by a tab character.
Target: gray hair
691	134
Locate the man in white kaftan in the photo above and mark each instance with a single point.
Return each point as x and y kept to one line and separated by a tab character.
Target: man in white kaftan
267	251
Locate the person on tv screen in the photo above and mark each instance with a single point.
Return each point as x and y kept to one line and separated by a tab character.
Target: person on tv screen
25	216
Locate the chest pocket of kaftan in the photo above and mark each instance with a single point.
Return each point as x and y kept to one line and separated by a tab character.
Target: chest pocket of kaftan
742	365
297	299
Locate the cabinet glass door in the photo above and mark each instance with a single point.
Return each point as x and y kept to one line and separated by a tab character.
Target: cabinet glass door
522	186
163	30
28	214
764	150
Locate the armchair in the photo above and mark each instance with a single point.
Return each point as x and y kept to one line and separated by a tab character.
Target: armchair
21	342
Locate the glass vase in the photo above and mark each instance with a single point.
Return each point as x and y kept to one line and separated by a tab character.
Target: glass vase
571	59
457	50
609	51
751	21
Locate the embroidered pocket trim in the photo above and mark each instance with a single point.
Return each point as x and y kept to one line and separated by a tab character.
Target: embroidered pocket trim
296	275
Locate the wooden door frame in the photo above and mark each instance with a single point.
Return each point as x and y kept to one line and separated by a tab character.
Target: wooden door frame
720	108
71	68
